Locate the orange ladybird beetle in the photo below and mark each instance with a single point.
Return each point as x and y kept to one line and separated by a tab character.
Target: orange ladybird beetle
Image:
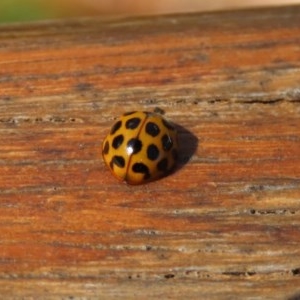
141	147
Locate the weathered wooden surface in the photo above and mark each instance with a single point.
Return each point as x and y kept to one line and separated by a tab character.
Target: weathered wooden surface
225	225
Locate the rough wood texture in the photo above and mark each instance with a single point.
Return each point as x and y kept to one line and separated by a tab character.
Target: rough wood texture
225	225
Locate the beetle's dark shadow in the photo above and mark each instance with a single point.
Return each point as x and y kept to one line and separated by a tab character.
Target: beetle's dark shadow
295	297
187	146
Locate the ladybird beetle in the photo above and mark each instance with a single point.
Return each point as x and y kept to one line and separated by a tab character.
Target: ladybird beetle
141	147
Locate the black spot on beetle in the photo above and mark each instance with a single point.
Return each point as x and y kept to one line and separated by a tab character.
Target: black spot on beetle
115	127
134	146
132	123
117	141
106	148
167	142
163	165
118	161
152	152
141	168
152	129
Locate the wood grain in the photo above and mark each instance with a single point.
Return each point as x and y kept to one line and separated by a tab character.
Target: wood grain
224	225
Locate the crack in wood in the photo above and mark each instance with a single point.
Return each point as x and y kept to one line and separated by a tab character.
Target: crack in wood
273	212
33	120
